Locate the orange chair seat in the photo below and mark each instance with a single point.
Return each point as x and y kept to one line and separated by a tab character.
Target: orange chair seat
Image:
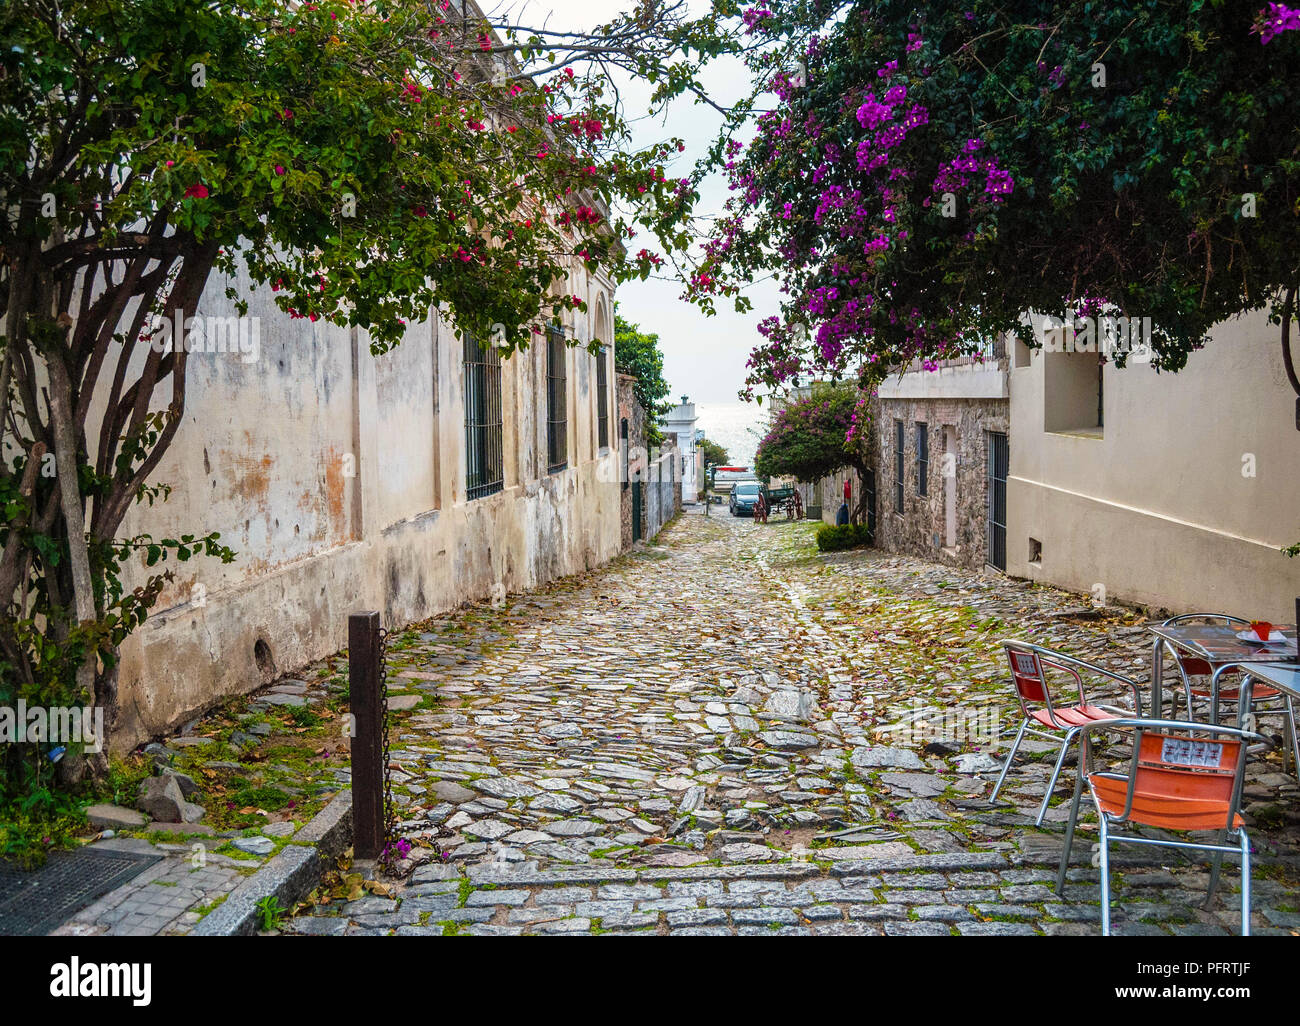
1074	716
1161	810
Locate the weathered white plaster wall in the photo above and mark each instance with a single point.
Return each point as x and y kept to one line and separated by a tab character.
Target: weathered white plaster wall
1155	506
338	477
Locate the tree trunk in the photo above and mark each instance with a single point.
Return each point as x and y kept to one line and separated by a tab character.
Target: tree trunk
72	768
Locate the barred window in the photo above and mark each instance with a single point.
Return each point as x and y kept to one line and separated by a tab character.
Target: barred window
899	442
602	397
557	402
922	458
483	463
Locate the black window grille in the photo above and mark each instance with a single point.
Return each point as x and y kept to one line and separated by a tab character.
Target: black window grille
602	397
999	460
627	452
483	463
922	459
557	403
899	442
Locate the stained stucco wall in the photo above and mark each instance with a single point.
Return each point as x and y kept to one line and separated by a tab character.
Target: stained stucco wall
1154	506
339	478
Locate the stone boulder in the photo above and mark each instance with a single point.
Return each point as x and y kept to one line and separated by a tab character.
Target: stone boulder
187	785
976	762
114	817
883	757
161	798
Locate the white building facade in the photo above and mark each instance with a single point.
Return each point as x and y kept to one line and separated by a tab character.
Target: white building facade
681	421
1175	491
435	474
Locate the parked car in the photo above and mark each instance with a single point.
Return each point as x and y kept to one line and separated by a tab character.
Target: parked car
725	478
744	496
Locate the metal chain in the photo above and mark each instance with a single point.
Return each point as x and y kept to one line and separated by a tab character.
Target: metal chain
390	813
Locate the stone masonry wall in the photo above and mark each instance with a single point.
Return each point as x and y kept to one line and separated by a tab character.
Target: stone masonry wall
921	528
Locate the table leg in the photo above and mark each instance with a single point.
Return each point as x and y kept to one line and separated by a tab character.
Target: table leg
1157	689
1243	699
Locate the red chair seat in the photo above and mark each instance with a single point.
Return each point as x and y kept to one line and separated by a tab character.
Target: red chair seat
1074	716
1232	694
1164	811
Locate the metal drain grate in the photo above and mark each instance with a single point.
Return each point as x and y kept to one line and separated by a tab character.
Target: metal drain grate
34	903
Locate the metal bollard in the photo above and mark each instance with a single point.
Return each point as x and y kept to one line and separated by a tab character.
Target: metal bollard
364	678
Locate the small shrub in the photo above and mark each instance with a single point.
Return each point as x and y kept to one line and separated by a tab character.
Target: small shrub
848	536
270	912
303	716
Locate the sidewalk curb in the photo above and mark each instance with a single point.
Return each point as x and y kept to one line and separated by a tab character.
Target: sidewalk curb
290	875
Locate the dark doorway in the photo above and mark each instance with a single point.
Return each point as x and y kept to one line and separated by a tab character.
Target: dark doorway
999	461
636	509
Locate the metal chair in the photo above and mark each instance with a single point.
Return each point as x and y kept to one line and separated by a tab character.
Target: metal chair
1264	700
1175	781
1029	664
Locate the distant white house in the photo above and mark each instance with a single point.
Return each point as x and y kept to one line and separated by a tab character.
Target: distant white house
680	420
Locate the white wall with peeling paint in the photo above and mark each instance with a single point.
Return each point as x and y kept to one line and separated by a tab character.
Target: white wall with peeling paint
338	478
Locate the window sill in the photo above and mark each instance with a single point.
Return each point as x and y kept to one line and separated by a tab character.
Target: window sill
1092	432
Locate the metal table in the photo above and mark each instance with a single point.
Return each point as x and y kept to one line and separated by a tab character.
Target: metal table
1283	676
1218	645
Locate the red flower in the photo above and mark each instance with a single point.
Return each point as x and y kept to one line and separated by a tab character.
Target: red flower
197	191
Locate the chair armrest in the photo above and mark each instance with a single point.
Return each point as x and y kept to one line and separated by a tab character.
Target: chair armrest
1068	662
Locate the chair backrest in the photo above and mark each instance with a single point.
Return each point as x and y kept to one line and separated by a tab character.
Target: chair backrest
1224	618
1193	666
1176	765
1180	777
1027	674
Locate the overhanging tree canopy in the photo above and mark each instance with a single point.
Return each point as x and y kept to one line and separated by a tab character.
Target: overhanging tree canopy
932	172
637	352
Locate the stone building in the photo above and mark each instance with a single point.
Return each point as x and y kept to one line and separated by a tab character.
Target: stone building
650	485
411	482
941	440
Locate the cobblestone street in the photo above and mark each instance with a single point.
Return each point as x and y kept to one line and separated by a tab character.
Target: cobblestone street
729	732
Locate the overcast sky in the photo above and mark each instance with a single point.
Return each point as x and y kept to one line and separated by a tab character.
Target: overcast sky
704	357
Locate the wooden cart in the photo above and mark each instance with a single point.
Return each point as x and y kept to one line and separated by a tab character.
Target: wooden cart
774	500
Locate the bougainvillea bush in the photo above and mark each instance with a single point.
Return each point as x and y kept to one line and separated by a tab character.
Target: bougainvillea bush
929	173
818	435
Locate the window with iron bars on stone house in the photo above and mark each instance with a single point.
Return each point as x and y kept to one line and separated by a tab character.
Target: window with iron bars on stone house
557	401
484	473
602	398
